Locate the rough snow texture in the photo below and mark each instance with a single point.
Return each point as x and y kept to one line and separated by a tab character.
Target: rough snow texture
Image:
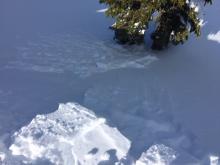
214	37
145	122
71	135
81	54
157	155
74	135
5	156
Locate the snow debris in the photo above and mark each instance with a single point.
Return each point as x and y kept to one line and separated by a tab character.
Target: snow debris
214	37
214	160
158	154
2	156
70	134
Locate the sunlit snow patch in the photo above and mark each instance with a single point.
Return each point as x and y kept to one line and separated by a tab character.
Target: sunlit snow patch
70	135
214	37
157	155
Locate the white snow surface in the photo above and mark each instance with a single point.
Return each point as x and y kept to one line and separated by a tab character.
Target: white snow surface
70	135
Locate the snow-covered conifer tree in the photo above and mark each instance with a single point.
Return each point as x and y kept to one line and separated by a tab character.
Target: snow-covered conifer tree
175	20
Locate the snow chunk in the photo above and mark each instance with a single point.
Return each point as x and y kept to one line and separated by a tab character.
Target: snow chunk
214	37
158	154
202	23
102	10
214	160
70	134
2	156
136	24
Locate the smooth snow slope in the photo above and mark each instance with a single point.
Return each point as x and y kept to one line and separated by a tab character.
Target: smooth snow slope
159	107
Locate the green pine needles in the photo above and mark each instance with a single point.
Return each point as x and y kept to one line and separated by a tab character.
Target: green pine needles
175	20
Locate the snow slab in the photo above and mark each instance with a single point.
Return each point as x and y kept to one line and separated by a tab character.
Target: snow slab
70	135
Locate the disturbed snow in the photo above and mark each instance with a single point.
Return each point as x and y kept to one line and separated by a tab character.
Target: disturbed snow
136	98
97	56
74	135
71	135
